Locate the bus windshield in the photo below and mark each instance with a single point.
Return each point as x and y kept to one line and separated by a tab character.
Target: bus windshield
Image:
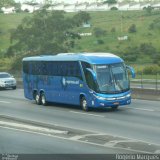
112	78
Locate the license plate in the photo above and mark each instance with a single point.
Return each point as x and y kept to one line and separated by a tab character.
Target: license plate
116	103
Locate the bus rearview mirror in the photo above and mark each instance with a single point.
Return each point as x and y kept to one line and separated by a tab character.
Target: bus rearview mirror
131	69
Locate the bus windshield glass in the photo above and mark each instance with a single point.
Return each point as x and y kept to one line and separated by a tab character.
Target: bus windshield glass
112	78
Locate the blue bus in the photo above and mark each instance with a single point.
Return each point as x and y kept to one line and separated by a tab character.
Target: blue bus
91	80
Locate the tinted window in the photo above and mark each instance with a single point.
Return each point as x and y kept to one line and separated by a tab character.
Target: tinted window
54	68
5	75
26	67
85	65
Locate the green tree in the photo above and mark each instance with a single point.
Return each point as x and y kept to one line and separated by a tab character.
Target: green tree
149	10
155	24
81	17
43	33
113	30
156	59
98	32
147	48
132	29
4	3
111	1
17	7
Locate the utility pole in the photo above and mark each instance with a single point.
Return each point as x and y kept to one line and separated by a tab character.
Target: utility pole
121	23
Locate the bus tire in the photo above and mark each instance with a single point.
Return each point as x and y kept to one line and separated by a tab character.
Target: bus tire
83	103
37	98
43	99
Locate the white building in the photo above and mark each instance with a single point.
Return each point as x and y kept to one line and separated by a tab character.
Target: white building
144	5
156	5
8	10
119	1
69	8
102	7
59	6
94	6
110	6
30	7
134	6
81	7
123	6
91	7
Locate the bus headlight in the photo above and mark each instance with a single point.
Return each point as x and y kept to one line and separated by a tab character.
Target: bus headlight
98	97
104	98
128	95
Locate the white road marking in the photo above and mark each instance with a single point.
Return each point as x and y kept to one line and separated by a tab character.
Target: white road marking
96	115
142	109
5	102
31	127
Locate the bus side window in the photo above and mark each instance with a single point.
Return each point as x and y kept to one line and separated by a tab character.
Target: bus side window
54	68
26	67
77	71
64	68
44	68
73	69
90	80
58	66
84	66
88	76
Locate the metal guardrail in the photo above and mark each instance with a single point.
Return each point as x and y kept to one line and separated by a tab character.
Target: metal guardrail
145	80
153	84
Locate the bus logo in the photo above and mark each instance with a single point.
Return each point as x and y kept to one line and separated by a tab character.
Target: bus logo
64	81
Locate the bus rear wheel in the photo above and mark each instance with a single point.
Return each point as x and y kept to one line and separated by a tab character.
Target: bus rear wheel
43	99
83	103
37	98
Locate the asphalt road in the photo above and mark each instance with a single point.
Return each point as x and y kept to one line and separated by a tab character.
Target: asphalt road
136	127
13	141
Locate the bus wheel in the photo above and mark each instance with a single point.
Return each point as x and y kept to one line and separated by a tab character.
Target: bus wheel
84	104
37	98
43	99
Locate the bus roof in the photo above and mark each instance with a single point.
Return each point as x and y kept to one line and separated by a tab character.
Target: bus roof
92	58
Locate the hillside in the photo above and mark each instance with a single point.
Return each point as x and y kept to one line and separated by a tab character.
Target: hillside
141	45
8	22
116	24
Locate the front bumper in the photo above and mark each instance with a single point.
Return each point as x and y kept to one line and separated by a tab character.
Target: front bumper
101	102
7	85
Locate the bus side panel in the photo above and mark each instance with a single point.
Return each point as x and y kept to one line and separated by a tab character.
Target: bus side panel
57	89
53	90
72	87
64	90
27	83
